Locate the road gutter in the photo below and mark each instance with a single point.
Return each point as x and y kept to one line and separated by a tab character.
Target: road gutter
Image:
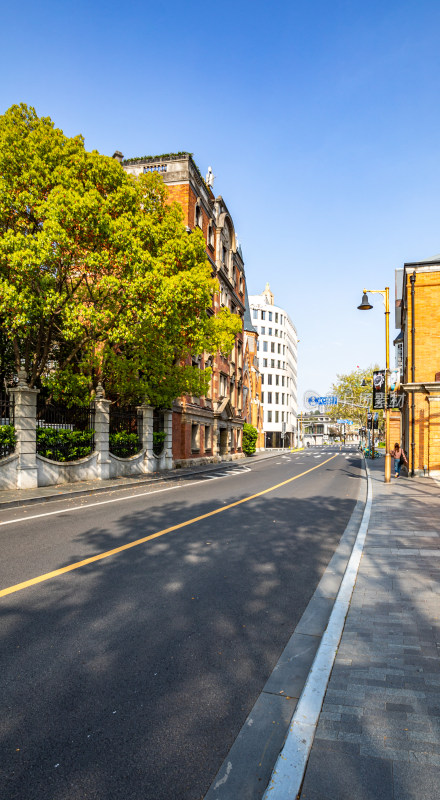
289	770
248	767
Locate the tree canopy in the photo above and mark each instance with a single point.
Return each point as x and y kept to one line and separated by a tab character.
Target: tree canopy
354	392
99	279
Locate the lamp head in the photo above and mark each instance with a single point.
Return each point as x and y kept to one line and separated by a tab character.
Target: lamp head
365	305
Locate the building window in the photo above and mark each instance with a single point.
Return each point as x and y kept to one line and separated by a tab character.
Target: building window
269	379
269	397
281	319
272	363
258	345
223	385
263	329
255	313
195	437
277	380
279	349
282	416
269	330
269	416
262	397
272	347
277	416
263	315
279	365
264	362
277	398
264	347
282	380
207	437
262	379
270	316
276	317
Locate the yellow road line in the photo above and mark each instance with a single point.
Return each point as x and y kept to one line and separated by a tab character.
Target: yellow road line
48	575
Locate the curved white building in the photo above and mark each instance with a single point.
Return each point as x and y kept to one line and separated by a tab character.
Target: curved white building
278	359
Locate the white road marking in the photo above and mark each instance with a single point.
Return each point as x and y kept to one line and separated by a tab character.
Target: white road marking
290	767
93	505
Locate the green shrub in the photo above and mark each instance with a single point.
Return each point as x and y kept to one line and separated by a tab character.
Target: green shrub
124	444
158	442
250	436
64	445
8	439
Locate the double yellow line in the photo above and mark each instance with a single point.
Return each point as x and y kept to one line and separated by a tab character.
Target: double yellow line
62	570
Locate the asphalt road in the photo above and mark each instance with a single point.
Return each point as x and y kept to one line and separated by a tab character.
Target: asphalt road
130	676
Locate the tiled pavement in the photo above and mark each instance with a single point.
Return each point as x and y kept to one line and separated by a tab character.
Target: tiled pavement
379	730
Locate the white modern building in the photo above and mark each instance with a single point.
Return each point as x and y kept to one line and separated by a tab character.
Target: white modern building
278	358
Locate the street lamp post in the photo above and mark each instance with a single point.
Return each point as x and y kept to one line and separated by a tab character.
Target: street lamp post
365	306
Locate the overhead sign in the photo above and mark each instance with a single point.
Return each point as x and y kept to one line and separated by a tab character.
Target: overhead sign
313	399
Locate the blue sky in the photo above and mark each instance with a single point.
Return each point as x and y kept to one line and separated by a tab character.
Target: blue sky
320	120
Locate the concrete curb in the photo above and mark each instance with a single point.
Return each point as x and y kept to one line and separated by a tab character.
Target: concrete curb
247	769
289	770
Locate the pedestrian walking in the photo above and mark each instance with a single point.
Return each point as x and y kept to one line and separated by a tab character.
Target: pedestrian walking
399	459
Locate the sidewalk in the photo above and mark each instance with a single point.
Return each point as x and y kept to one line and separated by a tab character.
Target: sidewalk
379	730
10	498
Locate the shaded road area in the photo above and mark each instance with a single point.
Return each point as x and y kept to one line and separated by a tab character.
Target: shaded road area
132	675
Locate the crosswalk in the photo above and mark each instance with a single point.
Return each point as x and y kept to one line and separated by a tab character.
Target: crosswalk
301	457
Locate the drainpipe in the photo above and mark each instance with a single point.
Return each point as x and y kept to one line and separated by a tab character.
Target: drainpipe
413	370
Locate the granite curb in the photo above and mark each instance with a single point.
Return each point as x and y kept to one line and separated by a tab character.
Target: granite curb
247	768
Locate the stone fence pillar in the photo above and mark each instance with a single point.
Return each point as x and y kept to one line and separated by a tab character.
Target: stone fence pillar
25	413
168	427
102	426
146	437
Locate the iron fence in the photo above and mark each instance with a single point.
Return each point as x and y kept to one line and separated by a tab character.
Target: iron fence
64	434
7	419
158	431
125	431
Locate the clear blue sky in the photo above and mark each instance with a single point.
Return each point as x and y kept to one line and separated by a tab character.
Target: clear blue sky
320	120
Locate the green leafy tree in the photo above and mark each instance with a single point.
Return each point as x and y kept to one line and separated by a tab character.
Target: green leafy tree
354	392
99	279
249	441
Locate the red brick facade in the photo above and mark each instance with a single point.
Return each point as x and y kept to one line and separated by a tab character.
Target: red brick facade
208	427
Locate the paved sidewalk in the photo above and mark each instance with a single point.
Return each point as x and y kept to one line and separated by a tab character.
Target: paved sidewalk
379	730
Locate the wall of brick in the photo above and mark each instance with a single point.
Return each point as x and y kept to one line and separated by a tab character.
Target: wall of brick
426	363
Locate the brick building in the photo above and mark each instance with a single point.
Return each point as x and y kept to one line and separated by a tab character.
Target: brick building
211	427
252	405
418	356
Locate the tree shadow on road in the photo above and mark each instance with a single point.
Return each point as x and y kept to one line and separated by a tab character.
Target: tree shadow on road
131	677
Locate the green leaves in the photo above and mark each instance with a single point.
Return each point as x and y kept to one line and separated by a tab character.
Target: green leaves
60	444
249	442
99	280
354	398
8	439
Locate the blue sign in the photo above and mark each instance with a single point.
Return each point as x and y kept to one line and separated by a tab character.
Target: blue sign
332	400
344	421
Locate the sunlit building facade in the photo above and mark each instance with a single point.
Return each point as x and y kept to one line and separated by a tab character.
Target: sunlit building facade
278	363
